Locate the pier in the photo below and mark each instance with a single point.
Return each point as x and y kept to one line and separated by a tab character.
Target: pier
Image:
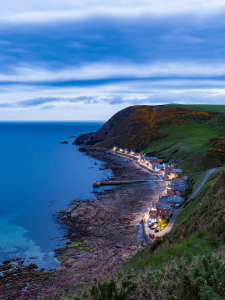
110	182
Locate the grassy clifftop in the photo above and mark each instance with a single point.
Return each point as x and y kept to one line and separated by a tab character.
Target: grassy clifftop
137	126
205	107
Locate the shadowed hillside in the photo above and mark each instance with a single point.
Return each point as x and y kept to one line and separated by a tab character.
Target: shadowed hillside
196	137
136	126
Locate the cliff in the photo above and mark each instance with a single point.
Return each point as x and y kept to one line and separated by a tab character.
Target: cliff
136	126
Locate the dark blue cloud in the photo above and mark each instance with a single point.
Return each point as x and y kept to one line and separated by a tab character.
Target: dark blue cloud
139	40
45	100
55	47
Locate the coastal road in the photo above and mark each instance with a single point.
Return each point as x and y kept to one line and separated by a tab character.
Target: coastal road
171	222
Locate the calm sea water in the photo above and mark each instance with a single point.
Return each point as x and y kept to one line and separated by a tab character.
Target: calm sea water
35	169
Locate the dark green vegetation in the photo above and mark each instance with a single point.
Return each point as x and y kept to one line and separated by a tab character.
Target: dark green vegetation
189	262
200	146
206	107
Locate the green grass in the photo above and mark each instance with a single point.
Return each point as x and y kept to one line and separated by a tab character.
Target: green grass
188	247
200	107
195	202
188	142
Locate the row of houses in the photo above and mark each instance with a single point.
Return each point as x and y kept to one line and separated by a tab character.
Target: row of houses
171	198
154	163
172	195
124	151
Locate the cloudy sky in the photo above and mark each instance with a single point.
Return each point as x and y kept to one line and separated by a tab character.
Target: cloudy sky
85	60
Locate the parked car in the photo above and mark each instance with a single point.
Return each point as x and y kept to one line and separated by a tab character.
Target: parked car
151	235
154	225
177	205
157	229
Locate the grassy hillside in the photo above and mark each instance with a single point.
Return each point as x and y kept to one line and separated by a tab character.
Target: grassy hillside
188	263
136	126
201	107
200	146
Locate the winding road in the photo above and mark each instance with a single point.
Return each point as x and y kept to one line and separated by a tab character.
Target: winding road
171	222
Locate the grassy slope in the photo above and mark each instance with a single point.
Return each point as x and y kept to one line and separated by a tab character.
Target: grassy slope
205	107
188	142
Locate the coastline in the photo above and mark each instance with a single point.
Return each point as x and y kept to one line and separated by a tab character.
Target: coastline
103	232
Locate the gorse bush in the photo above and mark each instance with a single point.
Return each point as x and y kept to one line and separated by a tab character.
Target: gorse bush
203	279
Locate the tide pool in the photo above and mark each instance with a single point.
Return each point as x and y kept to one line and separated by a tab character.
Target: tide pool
35	171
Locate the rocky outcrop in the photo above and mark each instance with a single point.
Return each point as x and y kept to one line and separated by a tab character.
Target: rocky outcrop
82	139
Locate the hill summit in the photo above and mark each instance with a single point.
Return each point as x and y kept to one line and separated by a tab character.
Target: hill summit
136	126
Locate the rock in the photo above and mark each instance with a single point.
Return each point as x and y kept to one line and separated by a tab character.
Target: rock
60	268
41	269
69	209
65	142
132	247
72	136
119	246
74	215
82	139
70	261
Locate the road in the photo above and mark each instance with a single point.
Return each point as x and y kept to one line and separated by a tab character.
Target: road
171	222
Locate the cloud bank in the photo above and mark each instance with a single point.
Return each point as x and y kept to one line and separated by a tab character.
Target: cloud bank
94	58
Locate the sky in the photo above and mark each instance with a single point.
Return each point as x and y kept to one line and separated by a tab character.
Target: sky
86	60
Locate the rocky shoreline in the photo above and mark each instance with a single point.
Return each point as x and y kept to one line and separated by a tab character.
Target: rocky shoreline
102	233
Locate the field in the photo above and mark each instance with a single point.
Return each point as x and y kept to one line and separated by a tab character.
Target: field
189	142
200	107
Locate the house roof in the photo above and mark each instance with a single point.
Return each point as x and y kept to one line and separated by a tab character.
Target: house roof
163	205
178	193
175	161
153	161
176	171
177	199
178	179
170	192
152	216
168	169
159	160
163	200
152	212
163	211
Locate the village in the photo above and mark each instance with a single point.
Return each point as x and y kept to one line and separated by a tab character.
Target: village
160	211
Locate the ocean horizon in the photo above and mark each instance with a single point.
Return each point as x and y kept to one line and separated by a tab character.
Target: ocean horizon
39	176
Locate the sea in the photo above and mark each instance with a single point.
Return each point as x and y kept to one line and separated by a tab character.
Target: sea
38	177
